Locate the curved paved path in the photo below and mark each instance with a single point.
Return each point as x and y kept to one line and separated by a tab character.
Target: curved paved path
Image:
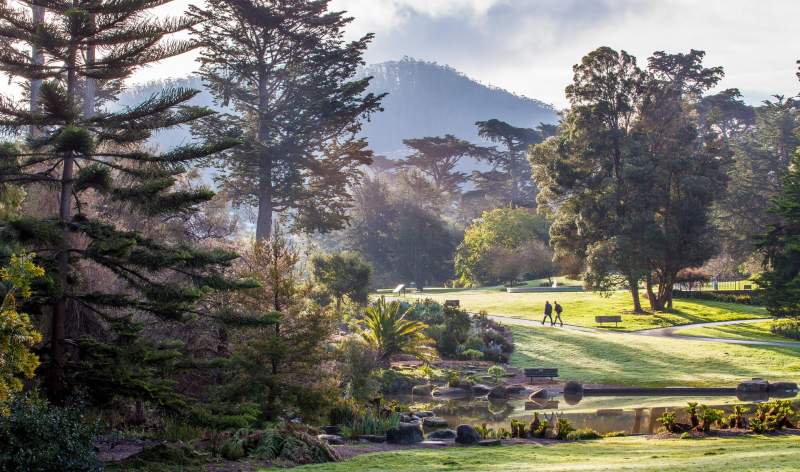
669	332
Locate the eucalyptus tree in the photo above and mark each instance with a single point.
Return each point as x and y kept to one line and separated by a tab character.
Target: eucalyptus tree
288	77
78	157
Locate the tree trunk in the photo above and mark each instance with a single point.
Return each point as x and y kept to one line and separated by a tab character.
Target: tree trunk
90	91
37	57
633	285
265	206
56	381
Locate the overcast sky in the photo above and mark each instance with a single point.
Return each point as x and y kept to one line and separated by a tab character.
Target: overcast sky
529	46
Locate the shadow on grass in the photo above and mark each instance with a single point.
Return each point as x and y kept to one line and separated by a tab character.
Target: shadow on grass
590	358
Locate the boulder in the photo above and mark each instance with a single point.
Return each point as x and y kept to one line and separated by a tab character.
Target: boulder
515	389
434	422
409	418
332	439
489	442
449	392
480	390
373	438
424	414
404	433
423	390
500	391
466	434
540	394
332	429
442	434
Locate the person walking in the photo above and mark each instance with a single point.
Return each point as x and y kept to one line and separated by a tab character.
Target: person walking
548	312
559	309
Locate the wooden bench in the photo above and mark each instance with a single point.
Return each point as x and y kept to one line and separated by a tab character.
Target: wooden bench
549	373
452	303
608	319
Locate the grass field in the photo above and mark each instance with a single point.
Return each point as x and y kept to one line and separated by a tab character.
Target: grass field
620	359
753	331
580	308
631	453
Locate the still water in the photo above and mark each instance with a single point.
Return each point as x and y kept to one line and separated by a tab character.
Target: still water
633	415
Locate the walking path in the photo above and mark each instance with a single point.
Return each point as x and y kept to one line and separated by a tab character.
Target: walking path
669	332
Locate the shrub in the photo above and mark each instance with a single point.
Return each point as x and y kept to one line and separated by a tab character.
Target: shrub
745	298
668	420
472	355
584	434
709	416
35	436
786	327
563	429
615	434
497	372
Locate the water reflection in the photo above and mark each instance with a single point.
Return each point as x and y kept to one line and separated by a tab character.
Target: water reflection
632	415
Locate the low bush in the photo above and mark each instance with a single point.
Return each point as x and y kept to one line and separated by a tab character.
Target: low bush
563	429
35	436
742	297
615	434
668	420
584	434
786	327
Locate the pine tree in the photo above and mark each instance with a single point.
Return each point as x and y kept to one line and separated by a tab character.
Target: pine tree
285	69
81	155
781	246
437	158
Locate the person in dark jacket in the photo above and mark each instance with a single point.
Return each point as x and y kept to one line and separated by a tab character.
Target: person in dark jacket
548	313
559	309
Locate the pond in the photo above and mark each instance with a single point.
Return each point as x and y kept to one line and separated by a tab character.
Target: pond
632	415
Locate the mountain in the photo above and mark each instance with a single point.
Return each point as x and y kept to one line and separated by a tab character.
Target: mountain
428	99
425	99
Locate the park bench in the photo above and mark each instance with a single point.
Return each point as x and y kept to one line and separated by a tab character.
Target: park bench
608	319
452	303
549	373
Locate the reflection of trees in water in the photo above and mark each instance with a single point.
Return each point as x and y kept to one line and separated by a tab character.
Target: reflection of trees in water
477	410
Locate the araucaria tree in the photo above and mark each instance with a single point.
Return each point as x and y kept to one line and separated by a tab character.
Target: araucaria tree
285	70
629	177
76	156
438	157
510	178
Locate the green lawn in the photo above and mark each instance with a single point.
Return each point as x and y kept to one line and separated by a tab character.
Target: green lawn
781	453
621	359
580	308
752	331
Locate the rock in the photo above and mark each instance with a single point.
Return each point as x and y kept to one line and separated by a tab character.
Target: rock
489	442
424	414
499	391
449	392
433	443
540	394
434	422
404	433
466	434
480	390
423	390
332	439
332	429
515	389
409	418
373	438
447	434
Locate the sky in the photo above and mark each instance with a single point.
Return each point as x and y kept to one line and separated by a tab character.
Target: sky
529	46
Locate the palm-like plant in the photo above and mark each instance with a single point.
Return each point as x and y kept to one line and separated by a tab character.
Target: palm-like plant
390	333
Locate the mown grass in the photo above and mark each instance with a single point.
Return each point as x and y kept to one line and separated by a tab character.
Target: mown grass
780	453
750	331
580	308
626	359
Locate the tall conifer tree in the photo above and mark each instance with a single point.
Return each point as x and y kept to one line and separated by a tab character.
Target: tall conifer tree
285	69
80	155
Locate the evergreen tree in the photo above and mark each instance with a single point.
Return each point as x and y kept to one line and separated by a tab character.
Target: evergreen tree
437	158
284	68
517	186
77	154
781	246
